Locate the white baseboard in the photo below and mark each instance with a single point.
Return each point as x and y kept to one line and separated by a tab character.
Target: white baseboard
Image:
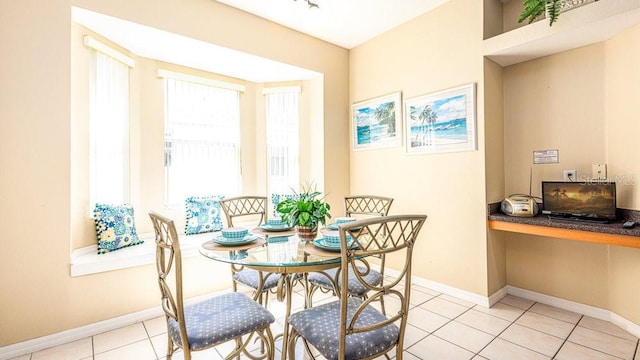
560	303
626	325
584	309
497	296
455	292
63	337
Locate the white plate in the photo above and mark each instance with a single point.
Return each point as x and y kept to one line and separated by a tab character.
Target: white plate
267	227
334	226
322	243
221	240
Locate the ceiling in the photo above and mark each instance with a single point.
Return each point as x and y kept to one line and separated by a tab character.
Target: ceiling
347	23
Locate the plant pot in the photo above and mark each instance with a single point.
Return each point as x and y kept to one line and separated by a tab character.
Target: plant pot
306	233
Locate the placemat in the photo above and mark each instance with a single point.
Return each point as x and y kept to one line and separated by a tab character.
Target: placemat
210	245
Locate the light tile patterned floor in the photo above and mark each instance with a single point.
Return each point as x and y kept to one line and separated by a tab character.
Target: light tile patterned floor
440	327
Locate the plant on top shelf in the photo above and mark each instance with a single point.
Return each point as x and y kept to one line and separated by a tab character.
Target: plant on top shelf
306	211
533	9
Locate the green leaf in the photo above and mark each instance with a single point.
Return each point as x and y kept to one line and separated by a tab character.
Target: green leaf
553	10
533	9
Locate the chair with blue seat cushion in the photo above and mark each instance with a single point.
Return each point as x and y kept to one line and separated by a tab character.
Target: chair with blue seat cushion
353	328
202	325
363	206
252	210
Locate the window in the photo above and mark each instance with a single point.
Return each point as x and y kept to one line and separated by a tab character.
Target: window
282	139
202	140
108	124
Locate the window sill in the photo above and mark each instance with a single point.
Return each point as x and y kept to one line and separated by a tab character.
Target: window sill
86	261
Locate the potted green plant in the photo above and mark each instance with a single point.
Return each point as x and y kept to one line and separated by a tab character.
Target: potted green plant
533	9
305	211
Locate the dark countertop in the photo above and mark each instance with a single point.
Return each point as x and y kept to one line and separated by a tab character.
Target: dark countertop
614	227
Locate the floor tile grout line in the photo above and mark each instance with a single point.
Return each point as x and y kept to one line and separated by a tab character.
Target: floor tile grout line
567	337
505	329
456	345
93	348
146	330
585	346
605	333
432	333
451	320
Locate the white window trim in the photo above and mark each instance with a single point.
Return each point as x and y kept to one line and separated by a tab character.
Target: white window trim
281	89
107	50
86	260
162	73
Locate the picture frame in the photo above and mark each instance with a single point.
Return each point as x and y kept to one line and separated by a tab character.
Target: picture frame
439	122
377	123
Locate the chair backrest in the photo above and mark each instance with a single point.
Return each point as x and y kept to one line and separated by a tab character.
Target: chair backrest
168	260
374	237
247	207
367	205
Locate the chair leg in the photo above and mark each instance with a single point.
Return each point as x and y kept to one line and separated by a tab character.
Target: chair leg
309	289
238	346
271	346
170	346
291	346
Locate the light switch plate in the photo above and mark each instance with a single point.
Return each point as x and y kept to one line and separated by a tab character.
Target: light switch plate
599	171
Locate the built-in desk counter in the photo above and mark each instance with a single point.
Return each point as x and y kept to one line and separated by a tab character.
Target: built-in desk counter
610	234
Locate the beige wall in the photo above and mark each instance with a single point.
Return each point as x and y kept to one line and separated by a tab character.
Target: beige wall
494	164
42	185
581	103
622	86
428	54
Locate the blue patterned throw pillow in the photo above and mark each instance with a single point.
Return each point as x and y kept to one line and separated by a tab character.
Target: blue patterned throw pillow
115	227
203	214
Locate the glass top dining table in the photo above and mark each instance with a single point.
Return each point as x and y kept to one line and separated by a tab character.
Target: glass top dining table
276	252
279	253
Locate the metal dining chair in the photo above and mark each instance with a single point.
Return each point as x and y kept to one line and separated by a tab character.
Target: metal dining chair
353	328
371	205
252	209
358	205
210	322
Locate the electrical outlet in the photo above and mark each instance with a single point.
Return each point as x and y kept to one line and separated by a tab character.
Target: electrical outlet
569	175
599	171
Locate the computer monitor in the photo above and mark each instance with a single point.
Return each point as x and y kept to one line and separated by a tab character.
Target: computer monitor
579	200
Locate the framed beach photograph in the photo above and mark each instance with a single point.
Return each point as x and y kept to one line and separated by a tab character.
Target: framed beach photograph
377	123
441	122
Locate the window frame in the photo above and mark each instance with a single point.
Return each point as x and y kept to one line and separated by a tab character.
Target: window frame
170	201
